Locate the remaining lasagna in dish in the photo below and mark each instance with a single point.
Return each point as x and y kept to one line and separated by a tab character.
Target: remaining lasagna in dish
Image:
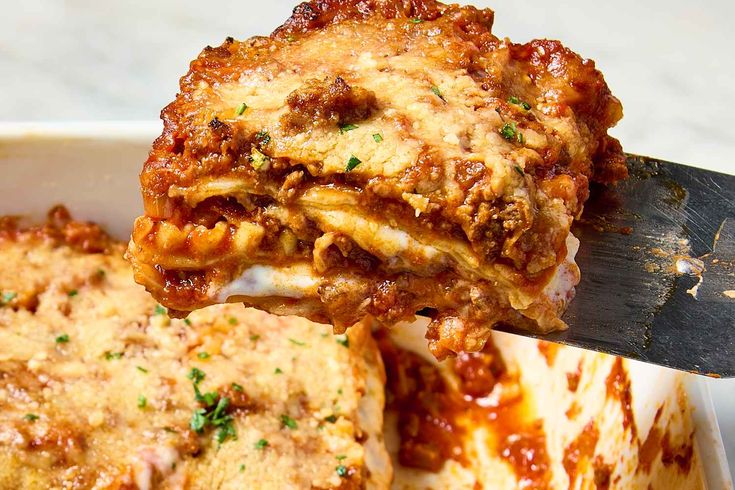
377	158
99	388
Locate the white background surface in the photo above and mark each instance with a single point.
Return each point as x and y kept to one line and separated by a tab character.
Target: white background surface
670	62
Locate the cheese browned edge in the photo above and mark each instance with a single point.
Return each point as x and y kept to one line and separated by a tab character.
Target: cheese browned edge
378	158
96	388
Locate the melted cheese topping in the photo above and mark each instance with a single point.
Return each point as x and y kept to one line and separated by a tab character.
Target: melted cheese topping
95	388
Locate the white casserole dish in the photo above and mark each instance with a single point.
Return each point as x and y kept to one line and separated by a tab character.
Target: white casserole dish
93	170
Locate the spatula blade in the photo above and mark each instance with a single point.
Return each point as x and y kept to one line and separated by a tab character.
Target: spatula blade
643	244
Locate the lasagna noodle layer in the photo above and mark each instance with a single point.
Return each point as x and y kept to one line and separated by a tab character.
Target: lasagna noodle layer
98	383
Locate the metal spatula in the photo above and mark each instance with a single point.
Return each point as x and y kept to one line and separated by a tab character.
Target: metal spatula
658	269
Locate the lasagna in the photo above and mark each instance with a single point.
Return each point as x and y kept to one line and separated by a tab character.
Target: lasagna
375	159
99	388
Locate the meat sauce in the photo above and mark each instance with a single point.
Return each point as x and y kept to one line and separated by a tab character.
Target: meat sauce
434	416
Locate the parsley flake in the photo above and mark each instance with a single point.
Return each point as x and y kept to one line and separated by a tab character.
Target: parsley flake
72	293
263	137
344	128
141	369
509	131
378	138
297	342
352	163
341	470
241	108
438	93
187	322
203	355
113	355
261	444
142	401
343	340
520	171
198	420
232	320
255	337
516	101
331	418
196	375
290	38
242	467
416	21
226	431
236	387
160	310
287	421
31	417
278	371
62	339
341	457
7	297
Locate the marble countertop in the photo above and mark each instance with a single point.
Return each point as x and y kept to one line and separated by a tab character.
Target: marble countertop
671	64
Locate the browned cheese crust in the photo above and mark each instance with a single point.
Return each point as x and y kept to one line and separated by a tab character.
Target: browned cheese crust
99	388
392	155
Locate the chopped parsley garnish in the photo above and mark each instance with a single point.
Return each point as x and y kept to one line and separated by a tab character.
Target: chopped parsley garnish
203	355
343	128
7	297
236	387
62	339
198	420
341	457
416	21
242	467
378	138
508	131
339	391
287	421
278	371
187	322
297	342
263	137
31	417
255	337
331	419
72	293
101	272
113	355
343	340
241	108
196	375
438	93
261	444
227	431
232	320
520	171
515	100
341	470
142	401
160	310
141	369
352	163
213	413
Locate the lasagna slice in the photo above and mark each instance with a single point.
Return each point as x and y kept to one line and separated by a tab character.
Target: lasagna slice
377	158
99	388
